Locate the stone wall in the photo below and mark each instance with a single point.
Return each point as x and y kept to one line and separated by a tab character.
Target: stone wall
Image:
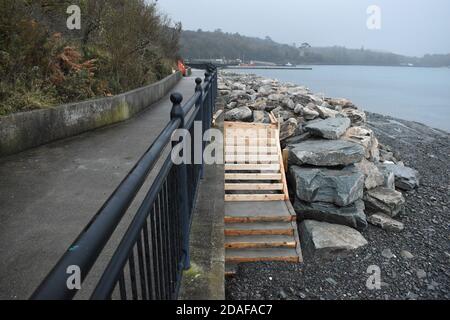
26	130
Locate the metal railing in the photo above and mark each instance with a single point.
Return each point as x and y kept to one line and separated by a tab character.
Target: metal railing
154	251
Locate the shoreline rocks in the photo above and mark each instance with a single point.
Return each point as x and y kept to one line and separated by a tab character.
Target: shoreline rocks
342	176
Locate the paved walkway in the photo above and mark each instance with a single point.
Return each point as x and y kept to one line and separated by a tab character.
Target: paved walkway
48	194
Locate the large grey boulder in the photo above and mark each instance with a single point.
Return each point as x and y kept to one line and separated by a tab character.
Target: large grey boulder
341	187
385	200
385	222
352	215
326	240
331	128
319	152
239	114
405	178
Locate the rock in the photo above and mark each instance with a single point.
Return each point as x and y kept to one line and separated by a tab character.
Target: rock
385	222
374	177
387	156
261	116
387	253
341	187
319	152
276	97
325	112
297	139
288	103
279	112
405	178
231	105
351	215
357	117
239	95
309	113
406	254
265	90
388	201
239	114
326	240
332	128
389	177
298	109
344	103
238	86
421	274
366	138
288	128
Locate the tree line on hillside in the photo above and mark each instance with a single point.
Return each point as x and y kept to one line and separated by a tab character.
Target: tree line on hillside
212	45
121	45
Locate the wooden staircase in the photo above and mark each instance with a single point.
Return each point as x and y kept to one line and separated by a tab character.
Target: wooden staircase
260	223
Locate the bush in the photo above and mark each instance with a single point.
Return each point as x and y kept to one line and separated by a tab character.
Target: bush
122	45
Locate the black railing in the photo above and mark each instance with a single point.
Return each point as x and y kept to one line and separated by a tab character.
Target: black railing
150	259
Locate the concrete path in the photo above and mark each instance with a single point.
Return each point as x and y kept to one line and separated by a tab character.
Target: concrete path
49	194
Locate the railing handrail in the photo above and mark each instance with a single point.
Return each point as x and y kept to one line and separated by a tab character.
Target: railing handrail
85	250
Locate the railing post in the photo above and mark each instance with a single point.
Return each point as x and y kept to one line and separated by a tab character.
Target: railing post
202	111
208	95
182	185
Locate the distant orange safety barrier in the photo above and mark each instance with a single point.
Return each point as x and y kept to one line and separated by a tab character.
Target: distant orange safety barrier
182	67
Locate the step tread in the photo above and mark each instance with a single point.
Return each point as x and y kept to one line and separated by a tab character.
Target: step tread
259	239
263	253
259	226
256	209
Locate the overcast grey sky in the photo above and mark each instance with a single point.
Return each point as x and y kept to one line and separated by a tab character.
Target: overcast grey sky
411	27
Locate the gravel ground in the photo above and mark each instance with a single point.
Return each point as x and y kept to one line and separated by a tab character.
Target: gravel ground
424	275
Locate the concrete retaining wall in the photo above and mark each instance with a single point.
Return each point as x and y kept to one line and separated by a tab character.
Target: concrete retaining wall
26	130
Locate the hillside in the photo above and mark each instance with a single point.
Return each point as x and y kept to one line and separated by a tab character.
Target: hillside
121	45
211	45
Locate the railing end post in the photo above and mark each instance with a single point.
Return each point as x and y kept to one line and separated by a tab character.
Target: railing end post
177	111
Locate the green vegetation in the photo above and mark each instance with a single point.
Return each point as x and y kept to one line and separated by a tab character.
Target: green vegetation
217	44
122	45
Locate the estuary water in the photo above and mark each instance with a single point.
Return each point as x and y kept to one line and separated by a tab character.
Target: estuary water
417	94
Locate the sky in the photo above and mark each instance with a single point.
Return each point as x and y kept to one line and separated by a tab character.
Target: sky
409	27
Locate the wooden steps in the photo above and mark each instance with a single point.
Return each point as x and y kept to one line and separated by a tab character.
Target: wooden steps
260	224
253	154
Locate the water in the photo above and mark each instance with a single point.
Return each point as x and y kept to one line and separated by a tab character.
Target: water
417	94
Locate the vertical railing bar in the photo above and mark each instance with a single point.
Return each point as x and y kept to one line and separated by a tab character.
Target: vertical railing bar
156	257
149	263
169	239
122	288
133	276
142	279
165	253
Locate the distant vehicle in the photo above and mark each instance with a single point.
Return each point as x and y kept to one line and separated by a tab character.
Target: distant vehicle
288	64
